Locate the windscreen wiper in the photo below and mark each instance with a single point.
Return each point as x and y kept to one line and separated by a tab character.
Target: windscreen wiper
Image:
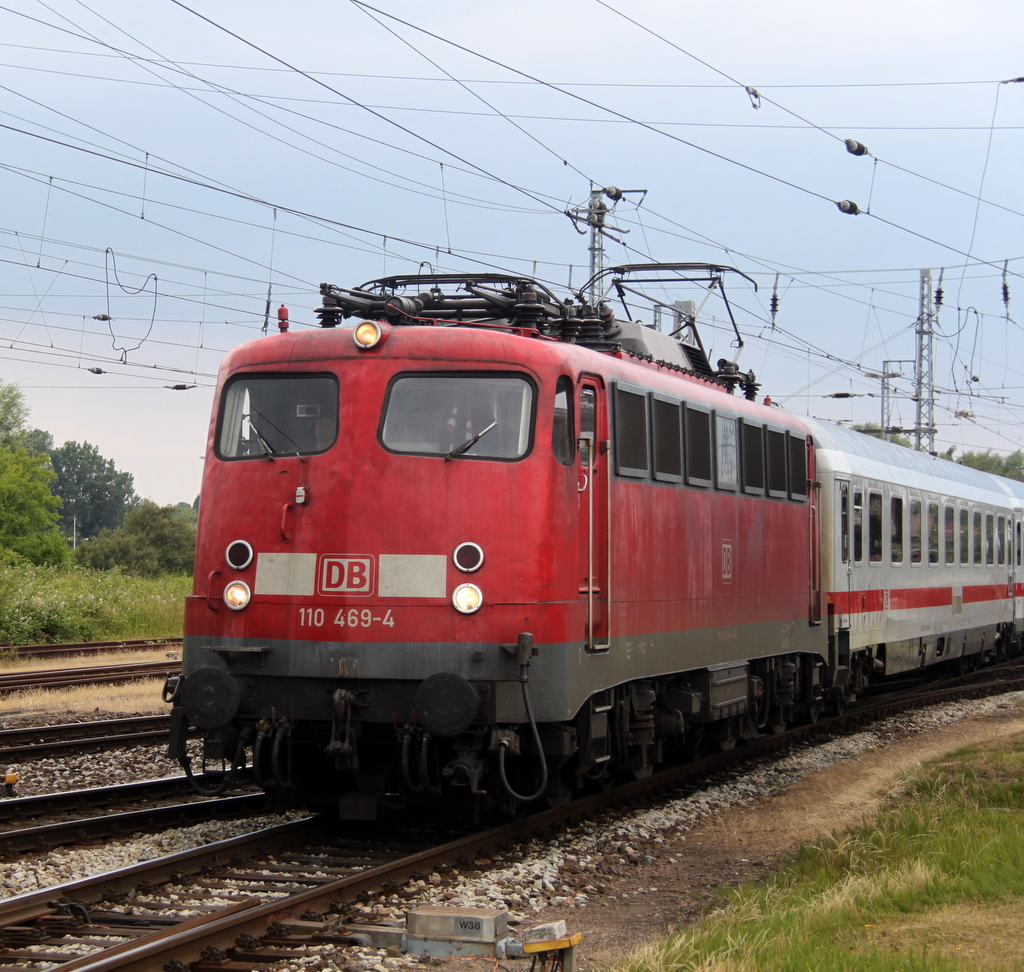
469	443
267	451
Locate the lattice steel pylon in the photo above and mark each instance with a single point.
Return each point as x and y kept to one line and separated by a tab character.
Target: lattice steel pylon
924	431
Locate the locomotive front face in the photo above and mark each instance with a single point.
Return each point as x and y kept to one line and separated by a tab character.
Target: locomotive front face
372	519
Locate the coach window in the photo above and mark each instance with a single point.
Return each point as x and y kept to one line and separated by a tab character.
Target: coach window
976	538
933	533
775	453
844	522
727	469
915	531
896	529
459	415
752	452
989	539
1018	543
1001	540
965	537
563	442
666	433
858	526
697	443
875	527
950	534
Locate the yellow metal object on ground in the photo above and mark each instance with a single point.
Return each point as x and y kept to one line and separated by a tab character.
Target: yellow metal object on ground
554	946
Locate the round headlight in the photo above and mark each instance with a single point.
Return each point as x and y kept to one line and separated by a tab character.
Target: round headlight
468	557
366	335
239	554
467	598
236	595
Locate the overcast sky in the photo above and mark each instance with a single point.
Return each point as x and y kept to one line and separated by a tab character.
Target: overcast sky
166	164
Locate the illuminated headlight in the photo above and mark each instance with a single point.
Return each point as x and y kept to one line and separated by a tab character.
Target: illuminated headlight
367	335
236	595
467	598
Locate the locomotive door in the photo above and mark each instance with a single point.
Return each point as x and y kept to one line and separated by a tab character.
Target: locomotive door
593	486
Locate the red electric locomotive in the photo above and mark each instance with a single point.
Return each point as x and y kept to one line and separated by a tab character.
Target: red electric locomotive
494	544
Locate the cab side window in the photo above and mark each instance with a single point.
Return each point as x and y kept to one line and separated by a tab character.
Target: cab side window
563	439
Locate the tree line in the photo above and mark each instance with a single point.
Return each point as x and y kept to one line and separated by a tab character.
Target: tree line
68	504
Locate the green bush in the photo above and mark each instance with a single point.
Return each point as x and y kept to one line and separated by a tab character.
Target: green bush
40	605
154	540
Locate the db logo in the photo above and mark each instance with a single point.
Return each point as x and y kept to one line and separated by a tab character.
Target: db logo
727	561
346	575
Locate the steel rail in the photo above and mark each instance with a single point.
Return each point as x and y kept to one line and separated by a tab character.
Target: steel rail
34	904
90	675
18	808
125	823
28	742
89	647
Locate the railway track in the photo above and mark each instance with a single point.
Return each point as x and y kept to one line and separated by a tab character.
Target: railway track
47	804
28	742
293	887
241	898
90	647
90	675
188	809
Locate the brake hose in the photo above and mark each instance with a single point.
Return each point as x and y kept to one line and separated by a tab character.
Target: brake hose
524	676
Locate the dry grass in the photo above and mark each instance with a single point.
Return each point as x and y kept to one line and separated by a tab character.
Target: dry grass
121	698
90	660
986	938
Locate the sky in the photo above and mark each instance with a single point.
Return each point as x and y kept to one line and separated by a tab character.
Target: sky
170	169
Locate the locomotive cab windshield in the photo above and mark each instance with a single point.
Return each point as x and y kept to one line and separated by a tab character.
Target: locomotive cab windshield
466	416
267	415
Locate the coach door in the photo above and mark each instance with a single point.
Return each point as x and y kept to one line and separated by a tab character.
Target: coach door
593	486
842	574
815	532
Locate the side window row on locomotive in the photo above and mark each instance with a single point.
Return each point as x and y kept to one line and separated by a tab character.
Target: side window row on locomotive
656	436
924	531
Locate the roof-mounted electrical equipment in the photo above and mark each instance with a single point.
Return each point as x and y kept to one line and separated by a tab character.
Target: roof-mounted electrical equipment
524	306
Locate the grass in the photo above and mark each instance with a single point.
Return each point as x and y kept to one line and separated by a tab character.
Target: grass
141	697
935	883
151	653
44	605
